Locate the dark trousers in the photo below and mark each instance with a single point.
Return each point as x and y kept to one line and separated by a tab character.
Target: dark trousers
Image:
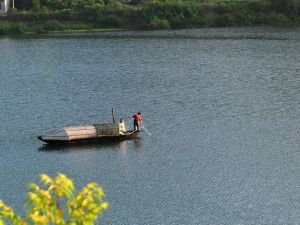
136	125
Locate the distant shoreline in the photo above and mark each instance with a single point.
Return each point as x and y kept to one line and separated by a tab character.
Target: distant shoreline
153	16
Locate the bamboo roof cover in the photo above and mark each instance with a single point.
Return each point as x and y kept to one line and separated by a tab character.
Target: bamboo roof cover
111	129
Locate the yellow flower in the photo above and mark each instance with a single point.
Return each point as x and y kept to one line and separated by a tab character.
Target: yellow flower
46	179
104	205
85	202
32	196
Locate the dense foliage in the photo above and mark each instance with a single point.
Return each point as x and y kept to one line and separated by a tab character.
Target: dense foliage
57	204
57	4
12	28
47	15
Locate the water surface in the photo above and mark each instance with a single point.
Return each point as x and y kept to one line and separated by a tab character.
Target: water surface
222	106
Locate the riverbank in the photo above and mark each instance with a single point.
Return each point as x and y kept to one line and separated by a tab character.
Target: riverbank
154	15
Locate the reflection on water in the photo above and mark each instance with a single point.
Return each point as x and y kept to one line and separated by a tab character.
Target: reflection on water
121	146
83	146
138	146
185	34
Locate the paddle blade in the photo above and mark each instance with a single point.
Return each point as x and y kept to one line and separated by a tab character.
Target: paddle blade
147	132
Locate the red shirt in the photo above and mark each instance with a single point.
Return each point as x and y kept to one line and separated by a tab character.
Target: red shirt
137	117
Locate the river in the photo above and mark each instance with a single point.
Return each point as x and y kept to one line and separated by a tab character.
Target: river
222	105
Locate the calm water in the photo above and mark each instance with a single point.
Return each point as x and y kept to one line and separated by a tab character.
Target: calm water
223	107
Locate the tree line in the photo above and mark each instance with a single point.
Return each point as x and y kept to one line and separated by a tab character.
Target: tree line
41	16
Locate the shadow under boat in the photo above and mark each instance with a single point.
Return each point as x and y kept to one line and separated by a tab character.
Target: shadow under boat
88	145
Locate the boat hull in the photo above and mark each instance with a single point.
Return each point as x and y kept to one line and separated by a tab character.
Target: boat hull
104	138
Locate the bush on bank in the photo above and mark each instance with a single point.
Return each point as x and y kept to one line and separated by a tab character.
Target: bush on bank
12	28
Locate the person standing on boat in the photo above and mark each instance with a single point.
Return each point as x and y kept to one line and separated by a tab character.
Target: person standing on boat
137	120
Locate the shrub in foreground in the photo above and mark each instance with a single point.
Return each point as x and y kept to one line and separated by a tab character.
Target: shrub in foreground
57	204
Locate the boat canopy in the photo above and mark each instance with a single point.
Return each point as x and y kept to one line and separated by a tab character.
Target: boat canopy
107	129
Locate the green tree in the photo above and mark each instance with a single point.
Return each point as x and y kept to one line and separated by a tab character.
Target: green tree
57	204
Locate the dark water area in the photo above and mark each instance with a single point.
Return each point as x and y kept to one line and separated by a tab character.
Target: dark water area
222	104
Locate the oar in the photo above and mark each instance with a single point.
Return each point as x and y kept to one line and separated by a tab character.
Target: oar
144	128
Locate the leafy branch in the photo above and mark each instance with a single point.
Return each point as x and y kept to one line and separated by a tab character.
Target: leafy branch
56	204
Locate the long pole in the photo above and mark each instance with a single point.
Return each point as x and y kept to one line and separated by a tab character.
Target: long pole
113	114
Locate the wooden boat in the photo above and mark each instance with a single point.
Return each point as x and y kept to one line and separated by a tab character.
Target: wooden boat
86	133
